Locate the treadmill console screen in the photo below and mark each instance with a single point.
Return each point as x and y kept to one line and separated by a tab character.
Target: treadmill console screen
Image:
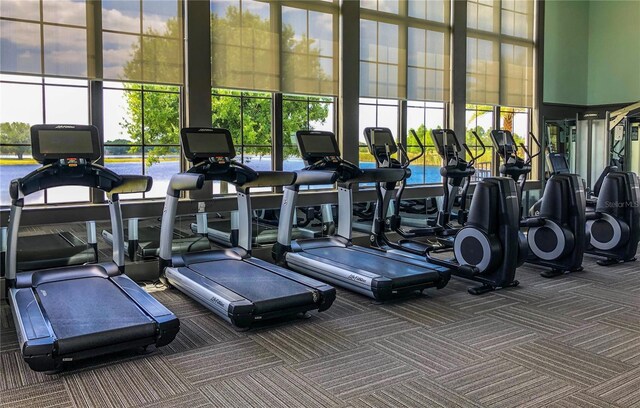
54	142
558	163
204	143
317	144
379	138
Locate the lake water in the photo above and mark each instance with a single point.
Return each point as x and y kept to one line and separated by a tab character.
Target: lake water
161	173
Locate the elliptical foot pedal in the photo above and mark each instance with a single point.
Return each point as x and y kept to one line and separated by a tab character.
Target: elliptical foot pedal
608	261
479	290
552	273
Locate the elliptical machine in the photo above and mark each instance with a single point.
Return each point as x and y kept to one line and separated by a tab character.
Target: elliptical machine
486	249
613	214
556	236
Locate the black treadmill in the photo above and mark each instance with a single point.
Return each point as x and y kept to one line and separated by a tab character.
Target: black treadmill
336	259
143	241
79	312
241	289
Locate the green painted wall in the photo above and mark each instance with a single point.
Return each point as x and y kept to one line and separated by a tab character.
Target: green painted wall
592	52
614	52
566	34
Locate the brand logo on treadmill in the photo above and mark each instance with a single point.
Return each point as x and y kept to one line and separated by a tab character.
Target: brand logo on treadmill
217	302
357	278
65	127
316	296
511	197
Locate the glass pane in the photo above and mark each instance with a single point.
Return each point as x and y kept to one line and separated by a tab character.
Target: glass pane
257	157
26	10
72	12
244	47
307	50
161	61
161	163
368	40
65	51
158	15
20	47
256	126
121	15
118	63
161	117
21	103
122	110
128	163
225	114
67	105
16	161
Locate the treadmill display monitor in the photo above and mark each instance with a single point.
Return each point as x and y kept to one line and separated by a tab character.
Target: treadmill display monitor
318	144
54	142
205	143
558	163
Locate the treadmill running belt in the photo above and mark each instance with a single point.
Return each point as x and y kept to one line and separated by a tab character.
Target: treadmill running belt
92	311
267	290
52	250
400	272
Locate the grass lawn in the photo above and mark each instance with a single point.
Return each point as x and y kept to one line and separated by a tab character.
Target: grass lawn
27	161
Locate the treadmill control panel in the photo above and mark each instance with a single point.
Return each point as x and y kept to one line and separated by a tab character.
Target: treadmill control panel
317	145
69	145
200	144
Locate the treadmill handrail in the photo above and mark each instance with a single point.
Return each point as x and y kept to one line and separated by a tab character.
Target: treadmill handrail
378	175
185	181
86	174
318	177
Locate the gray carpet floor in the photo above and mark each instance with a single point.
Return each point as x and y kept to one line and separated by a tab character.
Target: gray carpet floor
572	341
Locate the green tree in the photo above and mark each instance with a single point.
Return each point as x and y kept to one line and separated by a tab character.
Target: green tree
121	149
15	133
249	123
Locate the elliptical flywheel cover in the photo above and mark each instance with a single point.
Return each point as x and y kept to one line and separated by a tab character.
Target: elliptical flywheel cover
547	242
472	248
607	232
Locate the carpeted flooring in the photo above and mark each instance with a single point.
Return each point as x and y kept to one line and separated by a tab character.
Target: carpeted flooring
572	341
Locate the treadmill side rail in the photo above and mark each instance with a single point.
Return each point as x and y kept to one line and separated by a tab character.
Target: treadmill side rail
37	341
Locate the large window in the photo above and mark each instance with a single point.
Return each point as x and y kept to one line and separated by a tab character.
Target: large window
480	119
404	55
303	112
142	132
500	52
30	100
422	118
250	50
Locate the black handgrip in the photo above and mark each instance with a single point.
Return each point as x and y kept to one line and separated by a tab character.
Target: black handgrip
133	184
185	181
533	222
272	179
310	178
381	175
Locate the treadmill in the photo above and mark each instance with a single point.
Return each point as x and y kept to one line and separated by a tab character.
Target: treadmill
143	242
79	312
367	271
241	289
224	232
